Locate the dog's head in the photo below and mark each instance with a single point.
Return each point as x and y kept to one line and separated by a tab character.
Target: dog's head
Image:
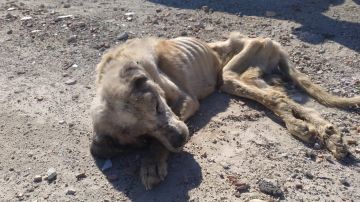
130	106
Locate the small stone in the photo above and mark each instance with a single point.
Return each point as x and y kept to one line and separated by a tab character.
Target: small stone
183	33
75	66
9	16
107	165
344	130
11	9
317	146
70	82
37	178
51	174
9	32
298	186
112	177
205	9
311	155
61	122
209	28
270	187
345	182
309	175
357	150
242	187
62	17
129	18
67	5
26	18
81	176
158	10
351	142
320	72
70	191
270	14
39	99
123	36
72	39
129	14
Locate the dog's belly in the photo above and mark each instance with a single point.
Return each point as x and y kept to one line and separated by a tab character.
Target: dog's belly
190	64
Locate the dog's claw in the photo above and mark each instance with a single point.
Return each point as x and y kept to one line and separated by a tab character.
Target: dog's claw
152	172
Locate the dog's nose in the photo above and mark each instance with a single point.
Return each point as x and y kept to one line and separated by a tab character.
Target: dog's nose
178	140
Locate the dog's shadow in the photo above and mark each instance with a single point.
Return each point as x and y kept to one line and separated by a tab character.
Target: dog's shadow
184	174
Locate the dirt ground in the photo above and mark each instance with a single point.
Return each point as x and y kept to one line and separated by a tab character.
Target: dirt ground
47	62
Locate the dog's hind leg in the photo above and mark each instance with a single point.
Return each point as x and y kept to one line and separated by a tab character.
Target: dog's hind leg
298	119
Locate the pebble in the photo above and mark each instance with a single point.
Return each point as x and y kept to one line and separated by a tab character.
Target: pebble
158	10
299	186
67	5
75	66
107	165
70	191
129	14
11	9
205	9
26	18
270	14
64	17
81	176
51	174
9	32
37	178
345	182
242	187
112	177
309	175
270	187
357	150
70	82
351	142
123	36
61	122
317	146
72	39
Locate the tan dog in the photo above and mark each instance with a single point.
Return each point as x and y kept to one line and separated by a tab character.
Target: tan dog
147	88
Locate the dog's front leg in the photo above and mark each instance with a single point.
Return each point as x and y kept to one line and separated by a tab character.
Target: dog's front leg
154	166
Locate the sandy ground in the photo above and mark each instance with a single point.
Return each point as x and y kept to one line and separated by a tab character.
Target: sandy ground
47	64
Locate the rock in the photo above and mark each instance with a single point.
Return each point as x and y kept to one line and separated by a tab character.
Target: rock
51	174
67	5
209	28
270	14
62	17
72	39
107	165
123	36
37	178
309	175
129	14
351	142
158	10
317	146
205	9
344	130
242	187
61	122
298	186
11	9
129	18
70	82
70	191
270	187
26	18
310	154
112	177
345	182
357	150
80	176
75	66
9	32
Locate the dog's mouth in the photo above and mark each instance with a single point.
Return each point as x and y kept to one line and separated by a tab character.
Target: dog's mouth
172	142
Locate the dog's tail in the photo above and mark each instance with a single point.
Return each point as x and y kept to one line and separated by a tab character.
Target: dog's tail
314	90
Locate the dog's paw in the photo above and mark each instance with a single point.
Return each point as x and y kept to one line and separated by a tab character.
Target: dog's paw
152	172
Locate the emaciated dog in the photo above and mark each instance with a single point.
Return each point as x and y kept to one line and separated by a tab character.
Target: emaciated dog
147	88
